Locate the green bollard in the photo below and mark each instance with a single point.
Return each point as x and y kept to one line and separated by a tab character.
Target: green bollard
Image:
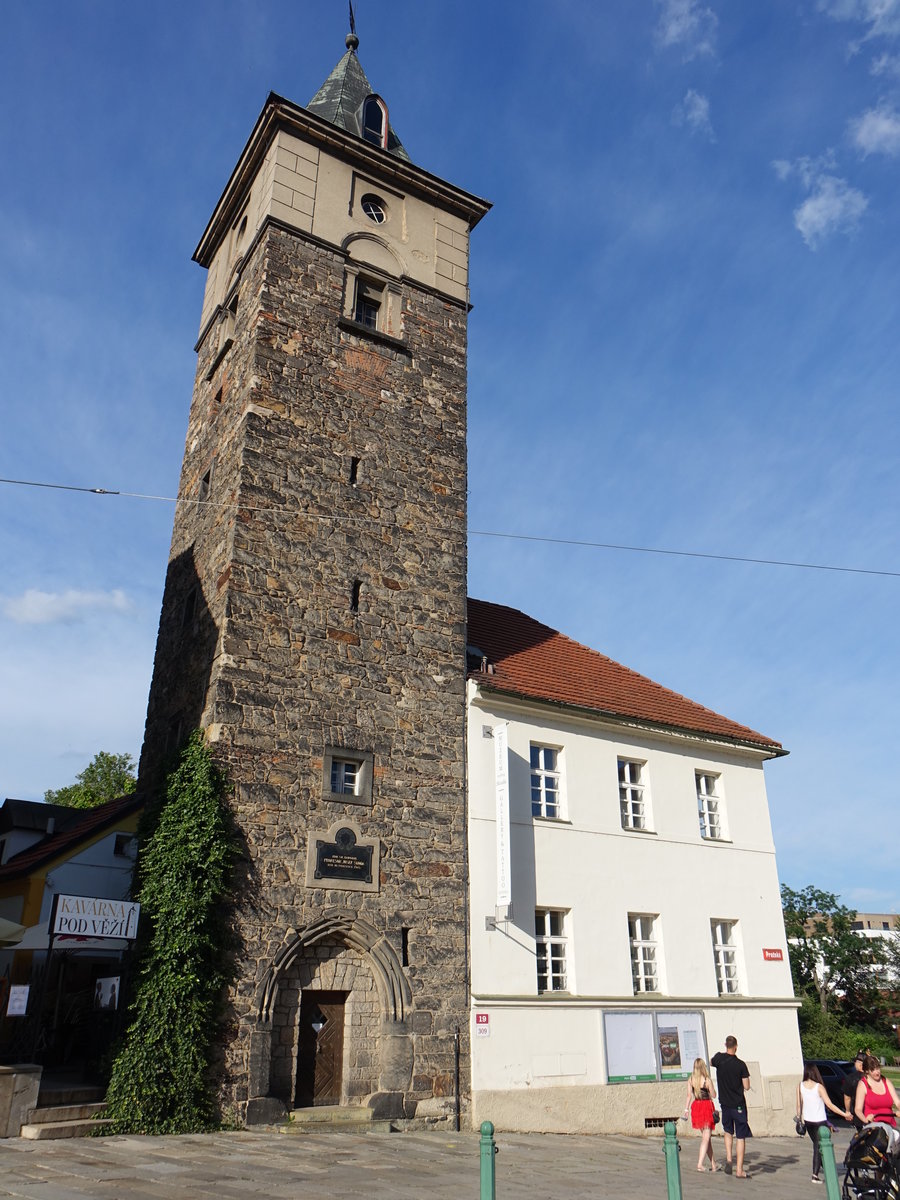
488	1150
826	1151
673	1166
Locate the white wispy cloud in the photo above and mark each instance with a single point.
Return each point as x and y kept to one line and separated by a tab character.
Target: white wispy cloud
831	206
688	25
886	64
877	131
35	607
880	17
693	112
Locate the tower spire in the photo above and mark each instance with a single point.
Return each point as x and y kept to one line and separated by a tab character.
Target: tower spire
352	41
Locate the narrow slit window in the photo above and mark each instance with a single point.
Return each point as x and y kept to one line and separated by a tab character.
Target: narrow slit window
190	609
404	947
354	595
354	471
205	485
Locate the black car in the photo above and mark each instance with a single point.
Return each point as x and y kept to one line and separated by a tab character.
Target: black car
834	1071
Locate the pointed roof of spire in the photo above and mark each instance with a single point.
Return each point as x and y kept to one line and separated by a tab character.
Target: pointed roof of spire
341	97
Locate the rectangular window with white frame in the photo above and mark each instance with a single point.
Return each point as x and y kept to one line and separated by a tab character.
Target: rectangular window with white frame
710	805
546	782
550	948
643	936
725	955
634	796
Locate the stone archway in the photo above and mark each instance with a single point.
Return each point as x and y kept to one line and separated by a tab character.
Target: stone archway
342	951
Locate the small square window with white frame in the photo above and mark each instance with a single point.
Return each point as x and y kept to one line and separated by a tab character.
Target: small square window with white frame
347	775
550	950
725	955
643	938
710	806
634	806
546	781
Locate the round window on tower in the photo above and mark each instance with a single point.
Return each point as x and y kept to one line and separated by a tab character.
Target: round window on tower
374	208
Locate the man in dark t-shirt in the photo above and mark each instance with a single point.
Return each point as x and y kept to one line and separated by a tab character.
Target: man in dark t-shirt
733	1080
848	1087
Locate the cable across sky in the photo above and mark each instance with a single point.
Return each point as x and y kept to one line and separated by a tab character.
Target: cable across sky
486	533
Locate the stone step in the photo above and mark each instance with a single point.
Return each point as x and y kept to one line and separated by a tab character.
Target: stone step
53	1130
335	1118
52	1113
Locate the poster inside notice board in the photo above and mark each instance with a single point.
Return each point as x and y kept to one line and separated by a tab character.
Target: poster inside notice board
630	1051
680	1040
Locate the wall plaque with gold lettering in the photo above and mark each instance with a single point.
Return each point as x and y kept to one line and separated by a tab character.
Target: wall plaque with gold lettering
343	858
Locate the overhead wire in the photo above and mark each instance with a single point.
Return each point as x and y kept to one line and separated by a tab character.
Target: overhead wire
486	533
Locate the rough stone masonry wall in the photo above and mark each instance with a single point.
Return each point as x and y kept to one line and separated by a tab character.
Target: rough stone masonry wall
295	669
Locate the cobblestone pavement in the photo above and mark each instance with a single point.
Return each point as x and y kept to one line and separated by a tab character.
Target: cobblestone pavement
399	1166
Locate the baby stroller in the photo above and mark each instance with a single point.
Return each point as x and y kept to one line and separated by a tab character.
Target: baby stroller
872	1166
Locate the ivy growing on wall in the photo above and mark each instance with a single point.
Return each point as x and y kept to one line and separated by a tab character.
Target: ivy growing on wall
160	1078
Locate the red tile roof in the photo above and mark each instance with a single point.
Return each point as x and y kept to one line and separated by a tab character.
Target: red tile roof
532	660
94	821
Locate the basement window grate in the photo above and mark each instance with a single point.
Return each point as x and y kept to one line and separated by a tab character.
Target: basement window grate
658	1122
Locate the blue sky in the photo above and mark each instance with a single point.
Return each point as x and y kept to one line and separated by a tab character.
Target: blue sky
684	336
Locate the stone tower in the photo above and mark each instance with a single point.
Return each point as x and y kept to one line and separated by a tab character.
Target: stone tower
313	621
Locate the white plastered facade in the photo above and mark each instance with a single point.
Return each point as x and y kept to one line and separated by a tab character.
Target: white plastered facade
544	1061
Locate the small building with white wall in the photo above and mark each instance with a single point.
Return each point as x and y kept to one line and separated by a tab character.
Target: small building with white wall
625	907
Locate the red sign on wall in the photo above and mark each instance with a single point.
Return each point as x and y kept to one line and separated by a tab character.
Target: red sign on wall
772	955
482	1024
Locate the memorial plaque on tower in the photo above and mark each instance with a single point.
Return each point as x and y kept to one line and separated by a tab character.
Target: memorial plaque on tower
343	858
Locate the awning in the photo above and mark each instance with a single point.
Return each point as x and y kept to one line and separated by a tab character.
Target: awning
10	933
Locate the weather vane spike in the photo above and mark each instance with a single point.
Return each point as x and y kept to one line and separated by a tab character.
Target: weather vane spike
351	41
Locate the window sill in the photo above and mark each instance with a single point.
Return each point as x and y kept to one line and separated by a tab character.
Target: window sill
550	820
632	829
348	798
373	335
714	841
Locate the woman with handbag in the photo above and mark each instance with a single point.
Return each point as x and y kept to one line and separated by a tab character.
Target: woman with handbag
812	1100
701	1093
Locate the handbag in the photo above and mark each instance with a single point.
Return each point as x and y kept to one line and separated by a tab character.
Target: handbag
716	1117
800	1126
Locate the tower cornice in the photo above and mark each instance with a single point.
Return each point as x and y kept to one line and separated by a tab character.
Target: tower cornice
281	114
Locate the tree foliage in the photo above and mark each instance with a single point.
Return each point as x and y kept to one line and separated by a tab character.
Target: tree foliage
160	1078
829	962
106	777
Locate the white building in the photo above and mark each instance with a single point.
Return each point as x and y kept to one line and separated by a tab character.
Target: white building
625	907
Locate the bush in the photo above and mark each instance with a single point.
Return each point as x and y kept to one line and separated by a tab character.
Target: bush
824	1035
160	1078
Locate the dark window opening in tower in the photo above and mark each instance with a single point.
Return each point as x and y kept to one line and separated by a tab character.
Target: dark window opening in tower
374	123
354	595
205	485
354	471
368	306
190	608
404	947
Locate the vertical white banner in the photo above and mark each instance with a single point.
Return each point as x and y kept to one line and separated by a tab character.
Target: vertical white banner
501	771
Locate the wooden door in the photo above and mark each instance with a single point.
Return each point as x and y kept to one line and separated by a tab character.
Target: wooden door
320	1048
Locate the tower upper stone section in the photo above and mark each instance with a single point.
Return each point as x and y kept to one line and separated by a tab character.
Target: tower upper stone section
336	172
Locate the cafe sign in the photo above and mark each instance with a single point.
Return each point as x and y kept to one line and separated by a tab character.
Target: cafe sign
93	917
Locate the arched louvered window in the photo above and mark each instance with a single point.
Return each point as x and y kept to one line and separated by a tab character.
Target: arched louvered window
375	121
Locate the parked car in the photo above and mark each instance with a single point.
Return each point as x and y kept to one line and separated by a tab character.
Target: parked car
833	1072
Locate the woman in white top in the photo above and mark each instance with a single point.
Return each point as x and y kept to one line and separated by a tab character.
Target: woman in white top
812	1100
